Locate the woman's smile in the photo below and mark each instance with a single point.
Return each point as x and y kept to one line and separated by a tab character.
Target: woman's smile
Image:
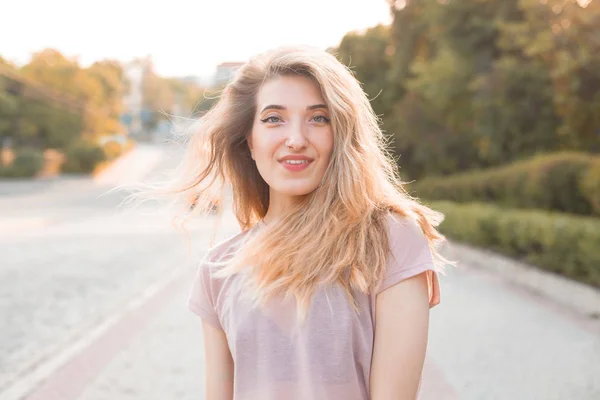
295	163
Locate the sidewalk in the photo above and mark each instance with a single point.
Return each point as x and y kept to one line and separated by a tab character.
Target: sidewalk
165	360
30	186
153	352
149	348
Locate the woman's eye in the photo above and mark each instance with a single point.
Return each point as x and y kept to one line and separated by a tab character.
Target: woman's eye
321	119
272	119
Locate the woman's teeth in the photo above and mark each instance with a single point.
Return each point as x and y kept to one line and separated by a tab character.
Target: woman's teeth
296	161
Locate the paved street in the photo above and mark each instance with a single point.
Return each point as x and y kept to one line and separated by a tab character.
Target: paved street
493	340
92	307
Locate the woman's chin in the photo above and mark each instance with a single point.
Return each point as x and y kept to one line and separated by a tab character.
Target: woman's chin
296	190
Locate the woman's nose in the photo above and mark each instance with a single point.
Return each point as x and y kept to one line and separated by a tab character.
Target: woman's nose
297	136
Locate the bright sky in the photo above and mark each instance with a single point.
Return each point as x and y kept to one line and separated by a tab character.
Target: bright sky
184	37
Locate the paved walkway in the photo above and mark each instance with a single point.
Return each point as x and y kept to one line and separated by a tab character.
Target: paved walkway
493	340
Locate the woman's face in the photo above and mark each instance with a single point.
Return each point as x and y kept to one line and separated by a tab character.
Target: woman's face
291	139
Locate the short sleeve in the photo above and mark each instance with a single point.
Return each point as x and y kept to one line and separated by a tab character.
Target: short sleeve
409	256
201	297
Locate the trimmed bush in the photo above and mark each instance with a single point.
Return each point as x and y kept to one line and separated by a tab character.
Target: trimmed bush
560	182
564	244
83	157
590	185
27	163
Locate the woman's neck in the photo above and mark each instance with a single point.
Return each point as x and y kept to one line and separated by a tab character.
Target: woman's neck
280	205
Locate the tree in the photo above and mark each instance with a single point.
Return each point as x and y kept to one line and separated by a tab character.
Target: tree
110	76
475	83
60	102
8	106
72	86
563	37
158	98
368	56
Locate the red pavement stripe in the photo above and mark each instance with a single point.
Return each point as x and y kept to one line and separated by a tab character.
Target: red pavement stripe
68	382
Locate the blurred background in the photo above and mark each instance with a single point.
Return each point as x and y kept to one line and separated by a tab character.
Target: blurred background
493	112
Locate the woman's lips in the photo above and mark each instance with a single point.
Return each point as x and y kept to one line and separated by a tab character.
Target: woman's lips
295	167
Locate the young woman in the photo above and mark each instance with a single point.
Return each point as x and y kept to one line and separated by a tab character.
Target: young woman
325	293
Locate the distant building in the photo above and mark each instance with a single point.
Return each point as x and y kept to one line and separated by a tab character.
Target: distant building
189	80
133	99
225	72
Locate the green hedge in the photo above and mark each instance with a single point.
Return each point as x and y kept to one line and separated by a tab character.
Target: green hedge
565	244
83	157
27	163
590	185
566	182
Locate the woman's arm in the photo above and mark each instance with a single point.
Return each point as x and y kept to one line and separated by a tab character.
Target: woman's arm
218	365
401	329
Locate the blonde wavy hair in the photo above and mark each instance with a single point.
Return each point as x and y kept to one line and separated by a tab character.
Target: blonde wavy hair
338	233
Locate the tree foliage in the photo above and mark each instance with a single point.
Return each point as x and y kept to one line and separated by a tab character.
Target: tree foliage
52	100
476	83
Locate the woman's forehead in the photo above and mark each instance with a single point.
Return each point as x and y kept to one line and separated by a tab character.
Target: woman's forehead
290	91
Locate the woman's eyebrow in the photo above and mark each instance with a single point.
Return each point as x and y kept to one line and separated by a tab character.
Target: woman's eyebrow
273	107
280	107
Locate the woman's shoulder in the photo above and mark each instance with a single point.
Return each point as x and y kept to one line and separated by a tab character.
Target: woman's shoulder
208	283
226	248
403	228
409	255
408	244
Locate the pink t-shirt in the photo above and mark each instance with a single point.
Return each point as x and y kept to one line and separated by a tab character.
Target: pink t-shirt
327	357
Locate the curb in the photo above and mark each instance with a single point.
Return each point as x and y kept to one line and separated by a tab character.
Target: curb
104	166
581	298
130	167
